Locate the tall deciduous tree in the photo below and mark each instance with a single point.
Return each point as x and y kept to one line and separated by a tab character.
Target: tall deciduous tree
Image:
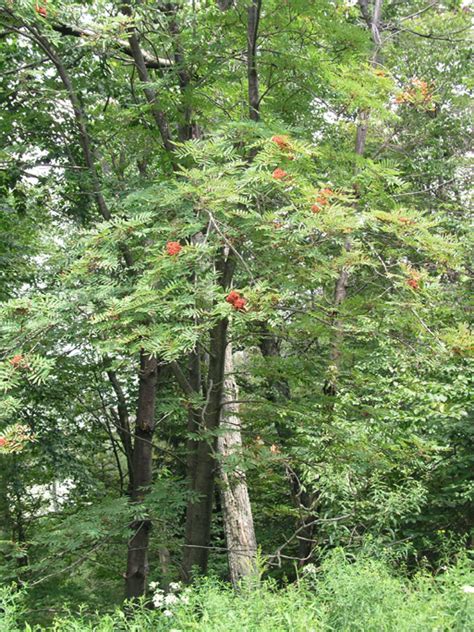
180	179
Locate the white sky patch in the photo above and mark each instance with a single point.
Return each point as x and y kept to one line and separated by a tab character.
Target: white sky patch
53	496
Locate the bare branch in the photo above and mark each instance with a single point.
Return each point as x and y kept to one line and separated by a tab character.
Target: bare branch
158	63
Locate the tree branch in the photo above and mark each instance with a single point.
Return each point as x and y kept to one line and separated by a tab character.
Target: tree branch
150	93
253	16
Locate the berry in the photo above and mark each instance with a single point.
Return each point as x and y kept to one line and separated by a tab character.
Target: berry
418	94
41	11
239	304
3	442
281	141
279	174
16	361
322	199
173	248
413	283
232	297
327	192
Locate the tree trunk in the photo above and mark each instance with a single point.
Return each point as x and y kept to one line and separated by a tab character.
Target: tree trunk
137	559
199	510
137	562
253	19
236	509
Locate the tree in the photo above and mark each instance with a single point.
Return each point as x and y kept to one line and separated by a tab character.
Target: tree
244	175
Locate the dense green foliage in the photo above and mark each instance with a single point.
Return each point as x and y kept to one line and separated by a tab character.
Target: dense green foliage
136	191
363	595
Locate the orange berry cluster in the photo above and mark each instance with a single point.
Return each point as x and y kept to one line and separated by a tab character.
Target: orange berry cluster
281	141
41	9
18	362
414	280
284	145
173	248
279	174
322	199
236	300
419	93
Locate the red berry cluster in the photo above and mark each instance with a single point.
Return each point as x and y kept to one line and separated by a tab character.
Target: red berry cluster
173	248
279	174
281	141
236	300
17	361
414	280
3	442
41	10
322	199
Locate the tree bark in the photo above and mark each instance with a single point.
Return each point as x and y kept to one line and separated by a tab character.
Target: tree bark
224	5
150	93
80	118
202	479
202	459
199	510
137	559
157	63
84	137
253	19
236	508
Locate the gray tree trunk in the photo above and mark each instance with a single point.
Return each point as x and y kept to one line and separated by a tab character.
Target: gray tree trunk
236	508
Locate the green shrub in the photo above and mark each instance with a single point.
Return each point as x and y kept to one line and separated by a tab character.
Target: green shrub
341	596
11	609
367	596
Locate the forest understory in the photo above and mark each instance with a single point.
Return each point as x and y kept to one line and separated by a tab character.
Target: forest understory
236	316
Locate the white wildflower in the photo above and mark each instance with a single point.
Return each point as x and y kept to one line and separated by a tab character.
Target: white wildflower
153	585
167	613
170	599
175	586
158	600
185	599
309	569
468	589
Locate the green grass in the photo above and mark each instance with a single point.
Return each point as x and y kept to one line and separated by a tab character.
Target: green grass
365	596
